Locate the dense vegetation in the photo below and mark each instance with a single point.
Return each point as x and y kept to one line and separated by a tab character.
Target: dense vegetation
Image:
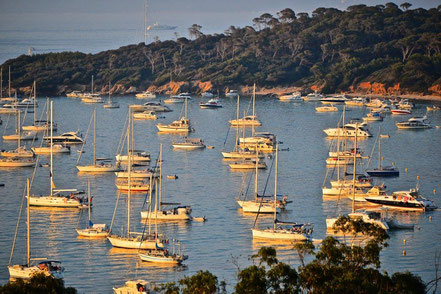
39	284
331	49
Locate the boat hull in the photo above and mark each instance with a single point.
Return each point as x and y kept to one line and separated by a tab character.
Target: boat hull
278	235
158	259
53	201
161	216
134	243
97	168
92	233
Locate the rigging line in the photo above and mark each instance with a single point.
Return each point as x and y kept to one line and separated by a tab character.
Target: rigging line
269	174
123	136
114	210
16	227
373	148
263	194
85	140
226	137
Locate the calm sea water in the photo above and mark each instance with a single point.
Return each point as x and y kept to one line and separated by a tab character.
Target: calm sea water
207	184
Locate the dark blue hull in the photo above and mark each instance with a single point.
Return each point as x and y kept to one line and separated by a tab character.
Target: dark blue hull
383	173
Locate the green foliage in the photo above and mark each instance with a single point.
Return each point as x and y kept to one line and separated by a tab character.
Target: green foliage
39	283
333	48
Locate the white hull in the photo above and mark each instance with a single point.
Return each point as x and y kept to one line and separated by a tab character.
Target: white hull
92	233
162	259
159	215
172	129
12	162
133	187
92	100
340	132
279	235
54	201
18	153
133	158
134	243
187	146
24	272
246	165
25	136
97	168
239	154
47	150
326	109
256	206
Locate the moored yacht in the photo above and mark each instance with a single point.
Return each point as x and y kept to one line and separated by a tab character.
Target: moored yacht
349	130
410	200
66	138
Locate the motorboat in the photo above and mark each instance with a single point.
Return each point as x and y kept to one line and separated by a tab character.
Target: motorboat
376	103
150	106
293	97
414	123
66	138
137	156
372	116
331	108
383	171
313	97
400	111
409	200
189	144
207	95
232	94
180	98
405	104
25	103
145	115
25	135
135	185
178	126
212	103
349	130
336	99
146	95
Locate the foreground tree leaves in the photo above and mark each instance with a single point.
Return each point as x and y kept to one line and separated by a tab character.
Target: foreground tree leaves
39	284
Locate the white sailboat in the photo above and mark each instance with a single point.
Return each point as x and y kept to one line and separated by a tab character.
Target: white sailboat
56	198
178	126
39	125
91	97
19	135
26	271
93	230
164	256
20	151
248	120
177	213
98	165
110	103
279	231
259	204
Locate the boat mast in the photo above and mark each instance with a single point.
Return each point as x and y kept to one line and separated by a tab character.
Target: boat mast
1	82
35	102
254	111
94	137
255	178
52	145
129	170
379	153
160	179
18	130
9	83
237	120
88	197
275	185
354	172
185	108
28	224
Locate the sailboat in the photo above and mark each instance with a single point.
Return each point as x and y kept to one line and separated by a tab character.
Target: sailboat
93	230
102	166
110	103
357	214
177	213
382	171
56	198
279	231
164	256
248	120
21	151
10	97
51	147
259	204
19	135
26	271
39	125
91	97
133	240
178	126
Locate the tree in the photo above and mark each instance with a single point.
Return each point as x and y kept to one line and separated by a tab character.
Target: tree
405	6
195	31
286	15
39	283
